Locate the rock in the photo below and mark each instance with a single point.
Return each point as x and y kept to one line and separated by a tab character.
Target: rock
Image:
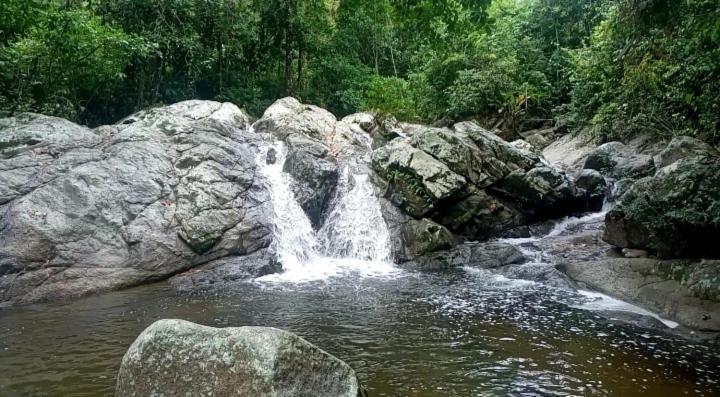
675	213
568	153
175	357
538	141
471	181
271	156
539	193
544	273
162	191
417	181
683	147
315	174
288	116
686	292
617	160
227	270
488	255
634	253
593	187
410	237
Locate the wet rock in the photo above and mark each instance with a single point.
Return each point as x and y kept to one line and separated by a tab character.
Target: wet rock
592	187
162	191
541	192
675	213
545	273
175	357
686	292
227	270
636	319
489	255
315	174
617	160
683	147
271	156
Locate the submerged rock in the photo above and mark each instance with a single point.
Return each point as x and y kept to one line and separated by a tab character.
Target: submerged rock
175	357
162	191
675	213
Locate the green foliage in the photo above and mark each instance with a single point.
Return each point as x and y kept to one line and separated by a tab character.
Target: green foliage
651	66
67	62
611	67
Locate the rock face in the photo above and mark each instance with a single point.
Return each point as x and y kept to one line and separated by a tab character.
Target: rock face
489	255
675	213
688	292
91	210
175	357
471	181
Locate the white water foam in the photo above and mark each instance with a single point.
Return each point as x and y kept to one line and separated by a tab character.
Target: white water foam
355	240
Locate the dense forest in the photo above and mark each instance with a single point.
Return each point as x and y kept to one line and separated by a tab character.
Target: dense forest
611	68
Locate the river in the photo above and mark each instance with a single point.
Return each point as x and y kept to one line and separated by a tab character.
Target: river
462	332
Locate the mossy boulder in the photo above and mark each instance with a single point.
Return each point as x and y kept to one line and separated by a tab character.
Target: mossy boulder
179	358
675	213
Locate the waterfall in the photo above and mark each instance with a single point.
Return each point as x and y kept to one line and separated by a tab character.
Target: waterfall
355	227
354	237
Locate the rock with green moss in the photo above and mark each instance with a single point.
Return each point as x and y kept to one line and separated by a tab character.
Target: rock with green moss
675	213
179	358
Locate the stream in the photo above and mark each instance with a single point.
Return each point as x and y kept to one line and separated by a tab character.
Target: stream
462	332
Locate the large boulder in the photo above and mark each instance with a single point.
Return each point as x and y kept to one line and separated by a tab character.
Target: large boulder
175	357
569	153
471	181
618	160
160	192
417	181
682	147
675	213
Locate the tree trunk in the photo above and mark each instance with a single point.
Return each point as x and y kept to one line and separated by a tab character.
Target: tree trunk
300	67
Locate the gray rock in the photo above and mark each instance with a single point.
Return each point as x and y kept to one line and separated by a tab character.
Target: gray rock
683	147
228	270
545	273
686	292
675	213
489	255
93	210
175	357
592	187
315	174
617	160
417	181
568	153
288	116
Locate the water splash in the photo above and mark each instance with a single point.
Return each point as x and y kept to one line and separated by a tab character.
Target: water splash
355	227
354	239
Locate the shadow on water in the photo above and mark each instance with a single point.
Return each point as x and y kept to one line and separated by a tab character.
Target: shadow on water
460	334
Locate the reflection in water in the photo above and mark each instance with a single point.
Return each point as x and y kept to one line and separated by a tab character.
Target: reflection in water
456	334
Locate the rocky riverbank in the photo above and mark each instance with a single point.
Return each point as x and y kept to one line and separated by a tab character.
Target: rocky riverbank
177	192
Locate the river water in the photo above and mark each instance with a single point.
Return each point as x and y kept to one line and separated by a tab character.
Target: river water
463	332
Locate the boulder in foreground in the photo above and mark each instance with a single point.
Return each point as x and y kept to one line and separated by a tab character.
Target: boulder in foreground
176	357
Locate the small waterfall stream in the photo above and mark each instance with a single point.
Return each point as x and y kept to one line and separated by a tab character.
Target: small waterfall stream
354	237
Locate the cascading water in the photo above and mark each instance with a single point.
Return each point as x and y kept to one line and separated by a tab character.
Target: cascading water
355	227
353	239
